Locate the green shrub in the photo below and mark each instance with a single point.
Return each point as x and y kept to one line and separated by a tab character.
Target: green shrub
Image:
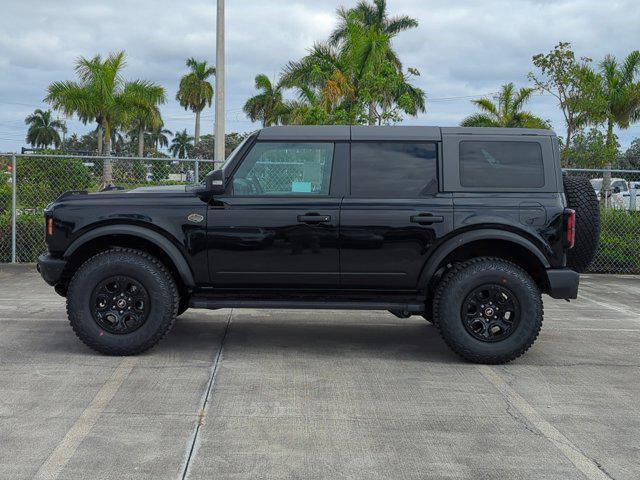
29	235
5	196
41	180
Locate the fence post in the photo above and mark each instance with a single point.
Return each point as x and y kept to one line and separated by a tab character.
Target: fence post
14	208
606	186
632	199
196	169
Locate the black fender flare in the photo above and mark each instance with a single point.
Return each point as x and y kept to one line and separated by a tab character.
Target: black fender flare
441	253
152	236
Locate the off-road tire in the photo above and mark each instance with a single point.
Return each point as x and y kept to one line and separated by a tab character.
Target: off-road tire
150	273
582	198
462	279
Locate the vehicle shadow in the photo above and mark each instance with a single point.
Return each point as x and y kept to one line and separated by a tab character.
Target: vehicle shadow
196	340
410	341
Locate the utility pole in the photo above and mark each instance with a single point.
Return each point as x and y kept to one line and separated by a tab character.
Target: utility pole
220	113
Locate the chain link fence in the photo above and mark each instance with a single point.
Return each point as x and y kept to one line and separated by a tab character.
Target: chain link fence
619	194
40	179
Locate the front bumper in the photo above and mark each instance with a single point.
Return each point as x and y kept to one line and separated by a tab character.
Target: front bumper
51	268
563	283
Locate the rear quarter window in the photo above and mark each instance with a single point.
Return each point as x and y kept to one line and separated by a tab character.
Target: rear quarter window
501	164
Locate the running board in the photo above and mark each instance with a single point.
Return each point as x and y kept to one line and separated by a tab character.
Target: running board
213	304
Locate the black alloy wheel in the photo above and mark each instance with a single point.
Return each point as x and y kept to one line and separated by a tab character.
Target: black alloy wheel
120	305
490	313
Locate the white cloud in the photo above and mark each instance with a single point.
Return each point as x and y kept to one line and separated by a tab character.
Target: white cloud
462	49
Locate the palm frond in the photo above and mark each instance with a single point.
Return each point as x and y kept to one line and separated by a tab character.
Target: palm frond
399	24
488	106
630	67
479	120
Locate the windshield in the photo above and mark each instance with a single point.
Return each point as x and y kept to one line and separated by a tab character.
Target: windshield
236	150
621	184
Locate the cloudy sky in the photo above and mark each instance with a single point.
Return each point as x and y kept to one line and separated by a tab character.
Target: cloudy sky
464	49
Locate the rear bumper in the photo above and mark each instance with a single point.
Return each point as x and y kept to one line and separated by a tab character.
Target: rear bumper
563	283
51	268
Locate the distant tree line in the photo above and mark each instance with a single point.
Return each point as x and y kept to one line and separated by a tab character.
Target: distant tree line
353	77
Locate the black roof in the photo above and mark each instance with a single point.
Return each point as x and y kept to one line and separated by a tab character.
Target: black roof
402	132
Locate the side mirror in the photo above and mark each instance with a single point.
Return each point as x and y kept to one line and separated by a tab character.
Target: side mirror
616	189
214	184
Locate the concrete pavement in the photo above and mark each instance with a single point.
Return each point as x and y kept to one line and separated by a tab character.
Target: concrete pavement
250	394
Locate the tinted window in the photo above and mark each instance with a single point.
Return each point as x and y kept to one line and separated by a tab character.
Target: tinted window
285	169
501	164
389	169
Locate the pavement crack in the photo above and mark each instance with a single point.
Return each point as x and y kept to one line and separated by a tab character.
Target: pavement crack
202	412
601	468
518	418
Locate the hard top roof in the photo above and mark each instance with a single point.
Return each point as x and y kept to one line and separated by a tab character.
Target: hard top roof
398	133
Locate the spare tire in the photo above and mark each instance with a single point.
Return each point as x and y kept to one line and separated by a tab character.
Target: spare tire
582	198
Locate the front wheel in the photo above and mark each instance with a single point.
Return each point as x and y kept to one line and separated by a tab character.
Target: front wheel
122	302
488	310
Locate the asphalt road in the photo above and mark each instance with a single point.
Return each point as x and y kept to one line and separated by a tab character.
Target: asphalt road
247	394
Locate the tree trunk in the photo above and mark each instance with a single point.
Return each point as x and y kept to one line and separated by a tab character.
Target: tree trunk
609	132
141	140
107	170
99	135
197	132
372	113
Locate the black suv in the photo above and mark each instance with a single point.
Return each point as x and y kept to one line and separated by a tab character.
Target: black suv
466	227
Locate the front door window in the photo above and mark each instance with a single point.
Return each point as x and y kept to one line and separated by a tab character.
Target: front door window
283	169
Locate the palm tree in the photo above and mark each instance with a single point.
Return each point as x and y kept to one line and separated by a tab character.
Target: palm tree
374	18
148	114
267	106
181	144
507	112
43	130
159	136
364	35
101	95
618	89
195	92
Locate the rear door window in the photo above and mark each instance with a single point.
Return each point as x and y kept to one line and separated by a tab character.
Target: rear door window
393	169
501	164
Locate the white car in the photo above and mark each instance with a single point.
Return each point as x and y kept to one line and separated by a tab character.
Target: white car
620	192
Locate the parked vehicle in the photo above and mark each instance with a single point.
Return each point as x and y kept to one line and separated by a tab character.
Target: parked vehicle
464	226
621	192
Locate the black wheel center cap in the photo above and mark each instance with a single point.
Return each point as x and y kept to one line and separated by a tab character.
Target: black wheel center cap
489	312
121	303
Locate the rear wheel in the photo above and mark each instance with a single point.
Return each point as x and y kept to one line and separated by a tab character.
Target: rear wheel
488	310
122	302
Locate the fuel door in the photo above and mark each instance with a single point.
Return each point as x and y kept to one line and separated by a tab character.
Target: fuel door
532	214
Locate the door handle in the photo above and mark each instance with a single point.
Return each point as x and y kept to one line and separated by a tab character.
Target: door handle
426	219
313	218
